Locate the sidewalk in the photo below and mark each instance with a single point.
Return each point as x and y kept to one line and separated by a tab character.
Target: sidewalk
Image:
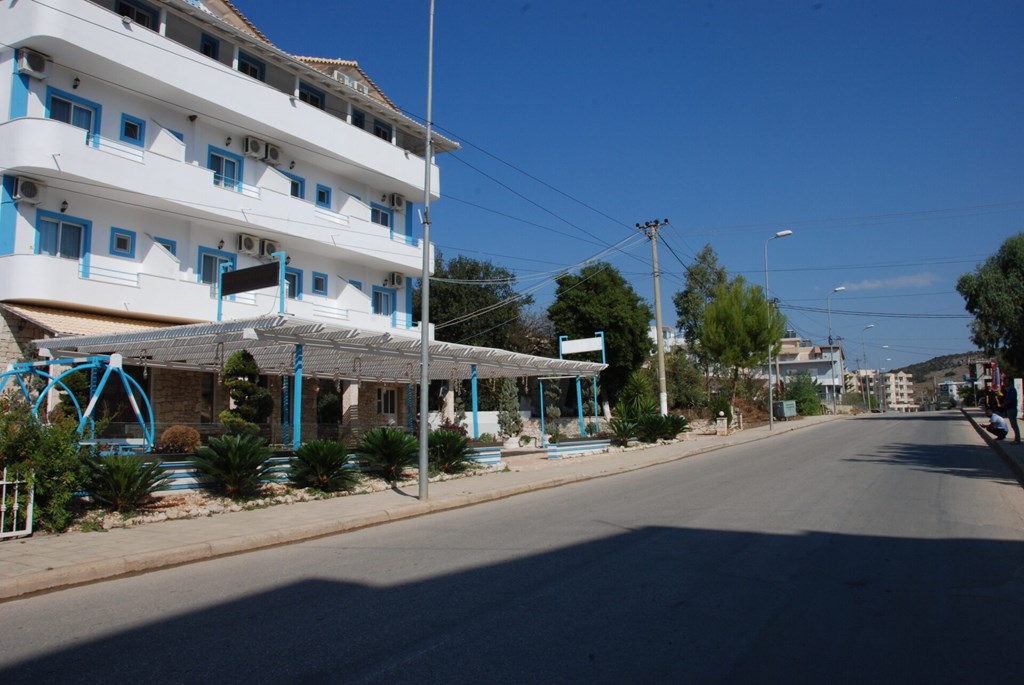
49	562
1012	454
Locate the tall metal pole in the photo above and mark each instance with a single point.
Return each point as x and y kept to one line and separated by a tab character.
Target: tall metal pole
862	379
650	229
768	303
425	276
832	350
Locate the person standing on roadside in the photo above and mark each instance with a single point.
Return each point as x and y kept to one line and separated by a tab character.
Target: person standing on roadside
1010	410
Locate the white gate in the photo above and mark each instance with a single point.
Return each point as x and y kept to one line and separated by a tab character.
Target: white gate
17	498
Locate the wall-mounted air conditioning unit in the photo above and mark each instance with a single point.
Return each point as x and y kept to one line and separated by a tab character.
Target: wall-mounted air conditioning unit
343	77
361	87
28	190
248	244
396	201
33	63
273	155
396	279
269	247
254	147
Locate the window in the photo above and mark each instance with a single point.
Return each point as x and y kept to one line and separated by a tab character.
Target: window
311	95
178	135
387	400
140	13
250	66
323	196
382	129
293	283
60	238
383	301
358	285
73	110
226	167
319	283
382	216
209	46
122	242
168	244
298	186
358	118
133	130
210	261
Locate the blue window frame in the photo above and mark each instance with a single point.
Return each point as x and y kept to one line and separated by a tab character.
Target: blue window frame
122	242
180	136
319	285
227	168
358	285
383	302
208	264
209	46
170	245
139	12
133	130
381	215
358	118
250	66
312	96
298	188
71	109
64	236
293	283
323	196
382	129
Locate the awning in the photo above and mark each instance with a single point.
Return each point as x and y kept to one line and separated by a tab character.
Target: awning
329	351
62	322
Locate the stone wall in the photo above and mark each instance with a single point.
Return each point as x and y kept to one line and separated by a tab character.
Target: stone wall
15	336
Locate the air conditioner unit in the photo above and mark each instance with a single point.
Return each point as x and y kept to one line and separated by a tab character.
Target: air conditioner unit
248	244
343	77
269	247
33	63
28	190
273	155
254	147
396	279
396	201
361	87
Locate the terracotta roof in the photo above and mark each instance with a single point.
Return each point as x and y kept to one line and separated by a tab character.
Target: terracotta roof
314	61
63	322
246	25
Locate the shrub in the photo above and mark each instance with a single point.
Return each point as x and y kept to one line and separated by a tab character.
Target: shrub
390	451
449	452
487	437
453	427
123	482
591	429
323	465
509	420
235	463
622	430
179	440
253	404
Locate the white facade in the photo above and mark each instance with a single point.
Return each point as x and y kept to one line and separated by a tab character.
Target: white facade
824	364
167	136
891	391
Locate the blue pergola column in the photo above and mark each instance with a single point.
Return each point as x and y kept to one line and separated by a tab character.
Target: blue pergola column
297	410
476	415
543	433
579	406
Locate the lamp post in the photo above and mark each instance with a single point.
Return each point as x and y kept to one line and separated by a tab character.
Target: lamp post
832	351
768	303
861	380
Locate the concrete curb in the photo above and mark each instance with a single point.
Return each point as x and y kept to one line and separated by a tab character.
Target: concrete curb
999	447
142	562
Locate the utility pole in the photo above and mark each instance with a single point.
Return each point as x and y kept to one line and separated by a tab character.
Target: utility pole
650	229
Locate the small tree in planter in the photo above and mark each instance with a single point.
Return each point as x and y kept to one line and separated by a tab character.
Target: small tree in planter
509	421
253	404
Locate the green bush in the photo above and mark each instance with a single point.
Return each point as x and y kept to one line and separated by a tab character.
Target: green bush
323	465
449	452
48	455
390	451
487	437
236	464
179	440
622	430
123	482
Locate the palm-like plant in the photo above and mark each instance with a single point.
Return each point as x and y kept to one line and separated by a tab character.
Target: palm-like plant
236	464
623	429
122	482
390	451
449	451
323	465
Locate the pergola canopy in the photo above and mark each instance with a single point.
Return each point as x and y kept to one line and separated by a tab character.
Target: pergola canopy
329	351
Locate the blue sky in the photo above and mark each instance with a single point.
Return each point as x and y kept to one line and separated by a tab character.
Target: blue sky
885	134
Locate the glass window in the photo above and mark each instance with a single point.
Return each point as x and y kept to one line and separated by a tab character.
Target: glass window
250	66
323	196
319	283
209	46
133	130
293	284
380	216
168	244
311	95
358	119
209	266
140	13
60	238
226	170
382	129
382	303
72	113
122	242
298	185
387	400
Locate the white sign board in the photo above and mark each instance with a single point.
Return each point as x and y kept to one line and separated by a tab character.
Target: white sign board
582	345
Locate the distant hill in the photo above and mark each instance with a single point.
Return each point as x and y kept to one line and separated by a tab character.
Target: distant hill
947	367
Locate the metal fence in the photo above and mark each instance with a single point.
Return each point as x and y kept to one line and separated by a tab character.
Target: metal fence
17	499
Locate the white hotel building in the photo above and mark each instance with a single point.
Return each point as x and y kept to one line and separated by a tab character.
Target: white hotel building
145	142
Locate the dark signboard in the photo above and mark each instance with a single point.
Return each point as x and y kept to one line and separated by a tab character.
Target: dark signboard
253	278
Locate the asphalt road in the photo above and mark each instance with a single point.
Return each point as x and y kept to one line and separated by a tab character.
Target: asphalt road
883	549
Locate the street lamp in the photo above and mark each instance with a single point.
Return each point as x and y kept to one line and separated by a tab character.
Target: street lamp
832	351
861	379
768	303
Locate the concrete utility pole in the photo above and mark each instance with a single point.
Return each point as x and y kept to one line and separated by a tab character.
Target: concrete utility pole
768	303
425	275
650	229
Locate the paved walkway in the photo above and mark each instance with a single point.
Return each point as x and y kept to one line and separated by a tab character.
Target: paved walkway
49	562
1012	454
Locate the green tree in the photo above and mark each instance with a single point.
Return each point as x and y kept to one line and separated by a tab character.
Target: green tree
600	299
738	327
474	302
703	278
994	294
509	420
253	403
685	382
802	388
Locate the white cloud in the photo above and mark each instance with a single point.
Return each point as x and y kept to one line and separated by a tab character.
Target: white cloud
922	280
